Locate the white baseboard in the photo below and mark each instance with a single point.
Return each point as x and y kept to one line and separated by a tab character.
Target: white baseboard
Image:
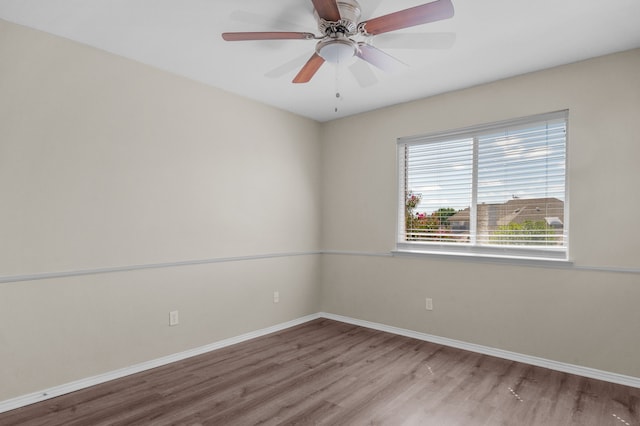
513	356
55	391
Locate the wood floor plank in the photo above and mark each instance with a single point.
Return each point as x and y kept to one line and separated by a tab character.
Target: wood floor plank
331	373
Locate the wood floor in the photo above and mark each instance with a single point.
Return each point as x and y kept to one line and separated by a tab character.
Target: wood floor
327	372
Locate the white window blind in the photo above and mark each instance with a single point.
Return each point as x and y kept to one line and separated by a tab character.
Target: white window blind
495	189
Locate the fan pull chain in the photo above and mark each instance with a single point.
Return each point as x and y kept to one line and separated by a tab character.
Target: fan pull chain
337	83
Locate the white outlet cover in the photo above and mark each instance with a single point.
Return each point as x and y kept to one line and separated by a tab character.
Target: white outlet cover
429	304
174	318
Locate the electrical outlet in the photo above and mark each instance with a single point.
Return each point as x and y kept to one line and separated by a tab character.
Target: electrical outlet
428	304
173	318
276	297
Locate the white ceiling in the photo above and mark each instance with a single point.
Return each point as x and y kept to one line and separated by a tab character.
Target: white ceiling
494	39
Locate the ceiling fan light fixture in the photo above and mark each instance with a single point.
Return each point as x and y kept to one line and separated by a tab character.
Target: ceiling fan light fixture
339	50
339	24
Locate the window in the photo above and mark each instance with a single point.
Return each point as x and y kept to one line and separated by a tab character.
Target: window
496	189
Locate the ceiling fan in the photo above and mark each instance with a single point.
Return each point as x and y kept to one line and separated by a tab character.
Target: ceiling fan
343	36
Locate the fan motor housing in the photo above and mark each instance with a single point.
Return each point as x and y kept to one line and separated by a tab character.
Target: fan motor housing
349	17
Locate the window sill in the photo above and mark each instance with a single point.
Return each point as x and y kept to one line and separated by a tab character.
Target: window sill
484	258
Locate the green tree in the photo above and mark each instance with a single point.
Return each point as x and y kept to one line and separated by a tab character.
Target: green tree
526	233
443	214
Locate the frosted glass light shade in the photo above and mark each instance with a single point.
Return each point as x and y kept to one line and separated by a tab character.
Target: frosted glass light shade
337	51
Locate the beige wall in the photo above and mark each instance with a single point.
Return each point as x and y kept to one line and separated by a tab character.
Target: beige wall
571	315
107	163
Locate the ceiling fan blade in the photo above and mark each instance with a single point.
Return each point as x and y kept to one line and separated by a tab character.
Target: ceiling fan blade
274	35
286	67
327	9
416	41
379	59
309	69
430	12
259	20
363	74
370	7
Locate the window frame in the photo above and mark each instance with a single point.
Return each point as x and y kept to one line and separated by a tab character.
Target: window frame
548	253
